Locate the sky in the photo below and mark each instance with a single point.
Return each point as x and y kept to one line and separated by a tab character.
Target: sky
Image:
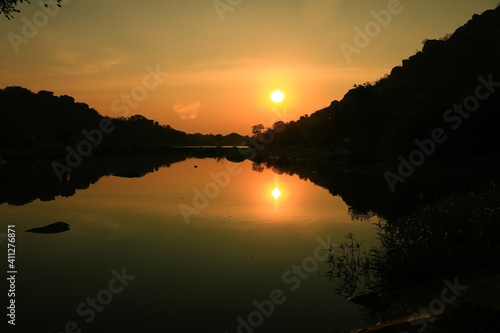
209	66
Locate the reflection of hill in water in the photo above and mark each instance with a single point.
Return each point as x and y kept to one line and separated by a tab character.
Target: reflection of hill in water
23	181
365	190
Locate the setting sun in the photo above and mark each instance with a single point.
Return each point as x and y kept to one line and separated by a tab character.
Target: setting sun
277	96
276	192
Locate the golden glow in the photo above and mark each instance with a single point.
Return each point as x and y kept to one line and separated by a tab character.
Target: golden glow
223	74
277	96
276	192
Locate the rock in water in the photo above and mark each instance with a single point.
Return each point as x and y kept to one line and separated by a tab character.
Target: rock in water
53	228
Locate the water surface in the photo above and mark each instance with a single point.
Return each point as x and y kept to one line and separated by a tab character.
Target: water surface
190	275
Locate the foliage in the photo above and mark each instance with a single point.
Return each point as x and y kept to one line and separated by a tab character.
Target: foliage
351	267
257	129
457	232
454	234
8	7
446	37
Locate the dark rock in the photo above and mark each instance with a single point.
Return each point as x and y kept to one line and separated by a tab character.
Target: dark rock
53	228
433	45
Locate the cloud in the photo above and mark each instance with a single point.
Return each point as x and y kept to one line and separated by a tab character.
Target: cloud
68	61
229	72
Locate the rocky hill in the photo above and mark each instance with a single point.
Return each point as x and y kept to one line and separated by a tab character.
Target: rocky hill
381	120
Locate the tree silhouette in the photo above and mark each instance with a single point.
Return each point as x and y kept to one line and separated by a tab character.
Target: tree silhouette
257	129
8	7
42	124
278	126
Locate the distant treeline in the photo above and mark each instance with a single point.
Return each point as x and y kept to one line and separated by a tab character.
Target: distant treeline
41	124
452	84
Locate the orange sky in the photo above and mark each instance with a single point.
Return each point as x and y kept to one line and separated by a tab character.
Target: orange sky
220	72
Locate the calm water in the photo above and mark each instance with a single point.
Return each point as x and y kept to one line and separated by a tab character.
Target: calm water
201	274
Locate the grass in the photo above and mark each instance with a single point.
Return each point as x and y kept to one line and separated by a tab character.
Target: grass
351	267
455	233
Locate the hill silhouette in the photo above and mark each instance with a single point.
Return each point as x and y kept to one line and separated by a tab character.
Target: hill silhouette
41	124
378	121
433	89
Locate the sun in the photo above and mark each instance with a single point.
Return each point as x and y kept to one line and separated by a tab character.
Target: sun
276	192
277	96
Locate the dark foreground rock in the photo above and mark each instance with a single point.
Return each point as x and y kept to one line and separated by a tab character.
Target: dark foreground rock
53	228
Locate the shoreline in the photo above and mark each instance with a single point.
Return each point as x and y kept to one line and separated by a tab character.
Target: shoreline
413	308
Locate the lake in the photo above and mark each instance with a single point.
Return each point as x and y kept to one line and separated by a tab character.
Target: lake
201	245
